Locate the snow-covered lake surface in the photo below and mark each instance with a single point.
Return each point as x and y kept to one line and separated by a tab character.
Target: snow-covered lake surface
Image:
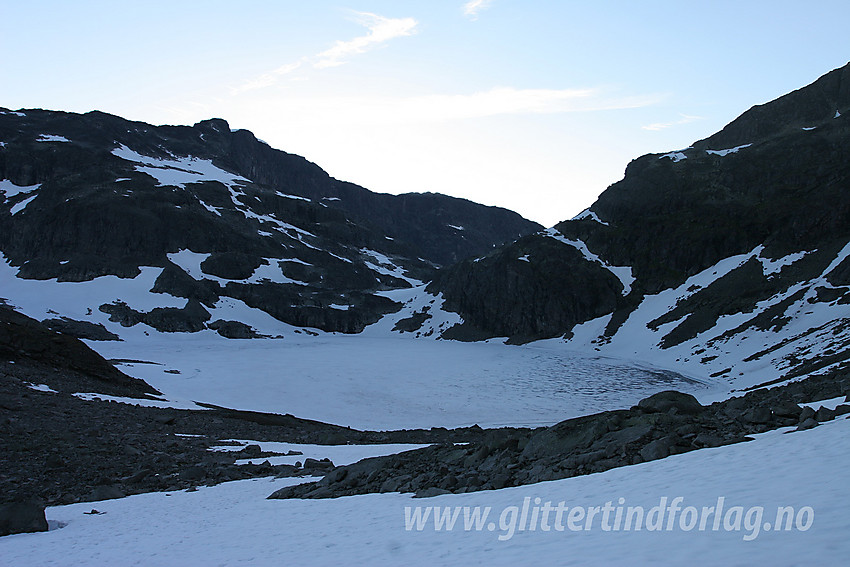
390	383
375	380
234	524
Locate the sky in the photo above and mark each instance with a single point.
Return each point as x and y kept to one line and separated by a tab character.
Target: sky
535	106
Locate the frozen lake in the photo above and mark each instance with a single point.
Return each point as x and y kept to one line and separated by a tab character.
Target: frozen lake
389	383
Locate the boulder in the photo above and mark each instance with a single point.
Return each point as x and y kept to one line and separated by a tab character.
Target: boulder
671	400
105	492
22	517
430	492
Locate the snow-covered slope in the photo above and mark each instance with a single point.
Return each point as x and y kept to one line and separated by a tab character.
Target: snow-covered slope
233	524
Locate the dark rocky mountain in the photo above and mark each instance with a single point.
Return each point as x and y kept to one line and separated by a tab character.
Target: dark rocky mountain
771	187
91	195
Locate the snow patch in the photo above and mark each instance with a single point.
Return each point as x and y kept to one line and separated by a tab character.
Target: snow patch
145	403
385	266
51	138
726	152
829	404
675	156
22	205
41	388
588	214
296	197
524	258
10	190
771	266
180	171
623	273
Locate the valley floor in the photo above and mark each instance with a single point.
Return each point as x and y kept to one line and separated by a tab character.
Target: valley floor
233	523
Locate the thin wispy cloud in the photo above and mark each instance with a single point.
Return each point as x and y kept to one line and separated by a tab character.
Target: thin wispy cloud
266	79
686	119
380	31
473	7
441	107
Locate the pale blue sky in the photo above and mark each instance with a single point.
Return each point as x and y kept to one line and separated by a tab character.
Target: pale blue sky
532	105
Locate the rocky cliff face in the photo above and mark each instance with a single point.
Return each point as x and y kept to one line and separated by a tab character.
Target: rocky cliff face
222	215
769	191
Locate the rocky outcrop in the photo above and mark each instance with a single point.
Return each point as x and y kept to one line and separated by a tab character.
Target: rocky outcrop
667	423
80	329
24	338
22	517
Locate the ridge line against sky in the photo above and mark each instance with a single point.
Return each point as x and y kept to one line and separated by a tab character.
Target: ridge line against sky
534	106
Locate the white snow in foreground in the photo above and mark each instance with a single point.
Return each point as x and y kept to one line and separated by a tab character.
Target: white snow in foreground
837	114
809	128
52	138
368	382
728	151
234	524
623	273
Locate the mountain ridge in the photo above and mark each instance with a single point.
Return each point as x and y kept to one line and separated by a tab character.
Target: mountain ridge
774	204
94	195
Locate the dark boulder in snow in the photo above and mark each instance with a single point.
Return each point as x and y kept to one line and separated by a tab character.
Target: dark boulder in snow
105	492
669	400
22	517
